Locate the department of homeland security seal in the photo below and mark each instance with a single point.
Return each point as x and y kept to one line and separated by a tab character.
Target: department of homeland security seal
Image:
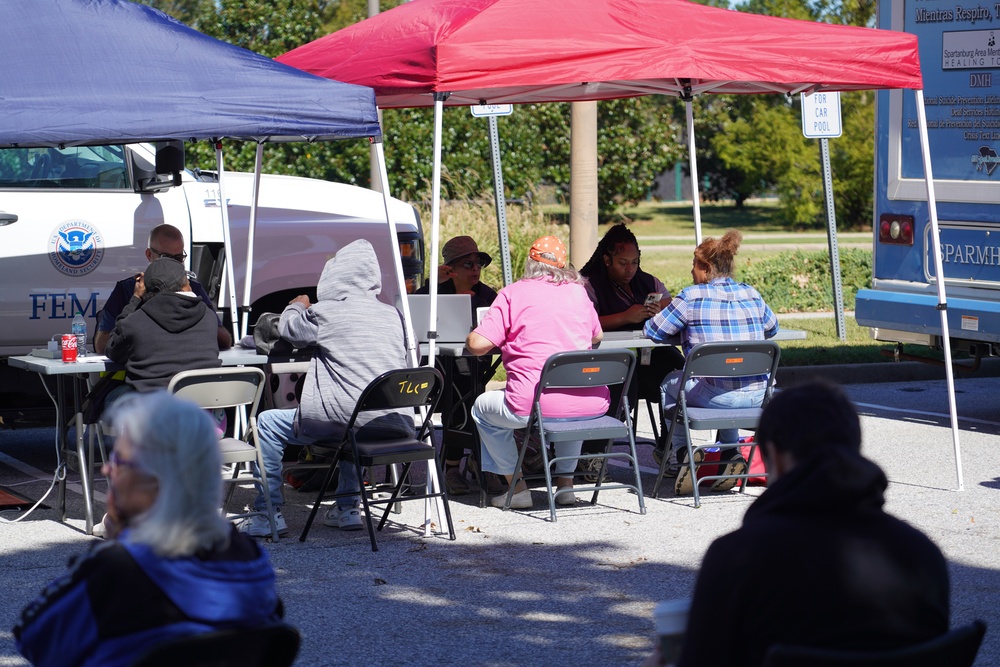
76	248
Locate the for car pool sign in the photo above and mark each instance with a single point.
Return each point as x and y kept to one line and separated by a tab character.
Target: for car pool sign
821	115
481	110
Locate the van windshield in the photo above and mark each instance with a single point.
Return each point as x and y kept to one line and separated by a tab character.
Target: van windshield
76	167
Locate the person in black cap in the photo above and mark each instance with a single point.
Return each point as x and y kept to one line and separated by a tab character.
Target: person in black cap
459	274
164	329
164	241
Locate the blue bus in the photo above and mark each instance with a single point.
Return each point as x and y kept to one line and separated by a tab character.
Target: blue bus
959	56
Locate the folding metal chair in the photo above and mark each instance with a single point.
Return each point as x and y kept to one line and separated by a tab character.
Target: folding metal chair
729	359
238	387
271	646
584	368
957	648
402	389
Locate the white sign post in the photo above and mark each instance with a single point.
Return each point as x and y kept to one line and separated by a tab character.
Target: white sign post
821	120
490	112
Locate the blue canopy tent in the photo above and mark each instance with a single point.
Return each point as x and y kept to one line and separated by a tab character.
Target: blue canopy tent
80	72
104	71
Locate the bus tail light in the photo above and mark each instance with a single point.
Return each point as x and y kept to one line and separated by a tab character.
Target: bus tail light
895	229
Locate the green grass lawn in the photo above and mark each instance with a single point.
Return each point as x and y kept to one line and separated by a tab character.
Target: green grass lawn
823	347
669	218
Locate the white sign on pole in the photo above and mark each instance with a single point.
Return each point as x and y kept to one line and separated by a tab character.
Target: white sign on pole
483	110
821	115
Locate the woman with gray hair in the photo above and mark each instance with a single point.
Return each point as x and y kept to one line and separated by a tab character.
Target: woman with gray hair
172	566
546	312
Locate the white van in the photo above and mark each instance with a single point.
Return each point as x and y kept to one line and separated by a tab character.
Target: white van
75	220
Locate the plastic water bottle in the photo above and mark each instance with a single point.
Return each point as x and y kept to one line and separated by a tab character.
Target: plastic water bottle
79	329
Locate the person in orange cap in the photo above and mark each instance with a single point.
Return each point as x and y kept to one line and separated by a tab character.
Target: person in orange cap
546	312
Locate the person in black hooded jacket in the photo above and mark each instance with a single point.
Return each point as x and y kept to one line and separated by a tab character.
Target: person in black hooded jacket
817	562
164	329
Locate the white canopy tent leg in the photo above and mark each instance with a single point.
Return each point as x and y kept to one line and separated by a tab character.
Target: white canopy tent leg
230	283
693	161
248	276
439	99
939	274
433	482
411	345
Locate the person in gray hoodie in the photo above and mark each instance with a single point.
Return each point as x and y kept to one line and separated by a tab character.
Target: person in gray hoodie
357	338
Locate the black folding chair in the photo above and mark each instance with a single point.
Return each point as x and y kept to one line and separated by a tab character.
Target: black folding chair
271	646
585	368
957	648
406	388
729	359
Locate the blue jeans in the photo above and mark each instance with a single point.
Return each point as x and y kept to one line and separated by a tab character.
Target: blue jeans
276	430
496	424
700	394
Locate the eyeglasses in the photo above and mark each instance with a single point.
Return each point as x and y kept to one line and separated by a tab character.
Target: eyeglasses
180	257
470	264
116	461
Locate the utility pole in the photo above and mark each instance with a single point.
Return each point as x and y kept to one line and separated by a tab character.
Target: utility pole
582	182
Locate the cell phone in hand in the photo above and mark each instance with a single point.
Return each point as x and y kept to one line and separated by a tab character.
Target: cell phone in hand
653	297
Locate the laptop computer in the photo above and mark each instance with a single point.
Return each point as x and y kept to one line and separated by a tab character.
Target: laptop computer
454	320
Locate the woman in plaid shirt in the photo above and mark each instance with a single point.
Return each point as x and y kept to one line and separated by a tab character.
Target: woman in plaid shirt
715	308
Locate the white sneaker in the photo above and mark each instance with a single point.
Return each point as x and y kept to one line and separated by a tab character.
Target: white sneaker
101	528
345	518
258	525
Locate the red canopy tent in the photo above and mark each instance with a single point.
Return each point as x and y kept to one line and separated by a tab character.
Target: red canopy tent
502	51
464	52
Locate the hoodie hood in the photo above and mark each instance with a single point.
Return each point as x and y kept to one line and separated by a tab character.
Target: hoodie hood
175	312
353	272
855	482
215	591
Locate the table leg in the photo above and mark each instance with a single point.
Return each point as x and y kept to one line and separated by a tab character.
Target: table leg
85	478
61	444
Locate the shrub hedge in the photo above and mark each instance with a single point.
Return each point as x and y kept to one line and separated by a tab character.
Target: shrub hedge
800	281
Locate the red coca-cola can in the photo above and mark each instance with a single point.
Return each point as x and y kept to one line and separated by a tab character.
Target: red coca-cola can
68	348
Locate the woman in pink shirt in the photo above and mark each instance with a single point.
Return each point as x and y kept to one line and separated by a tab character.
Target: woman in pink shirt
546	312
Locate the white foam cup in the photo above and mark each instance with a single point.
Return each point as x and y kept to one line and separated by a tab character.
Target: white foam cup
671	617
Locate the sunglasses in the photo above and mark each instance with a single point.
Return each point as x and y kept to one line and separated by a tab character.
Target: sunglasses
470	264
180	257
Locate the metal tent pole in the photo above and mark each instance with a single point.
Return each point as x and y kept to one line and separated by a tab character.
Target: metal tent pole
248	275
693	161
939	279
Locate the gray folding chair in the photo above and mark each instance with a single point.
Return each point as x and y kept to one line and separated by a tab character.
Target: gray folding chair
239	387
728	359
576	369
957	648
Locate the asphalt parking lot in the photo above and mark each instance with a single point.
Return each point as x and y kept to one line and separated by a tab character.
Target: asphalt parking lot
516	589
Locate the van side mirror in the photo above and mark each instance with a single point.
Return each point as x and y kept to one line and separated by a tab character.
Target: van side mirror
169	157
166	173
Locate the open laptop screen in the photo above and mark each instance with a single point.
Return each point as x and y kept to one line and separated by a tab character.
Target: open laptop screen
454	317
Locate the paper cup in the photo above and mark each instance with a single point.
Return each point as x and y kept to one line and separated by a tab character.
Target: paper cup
671	618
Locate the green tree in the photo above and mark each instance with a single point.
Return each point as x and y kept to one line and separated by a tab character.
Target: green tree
752	145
